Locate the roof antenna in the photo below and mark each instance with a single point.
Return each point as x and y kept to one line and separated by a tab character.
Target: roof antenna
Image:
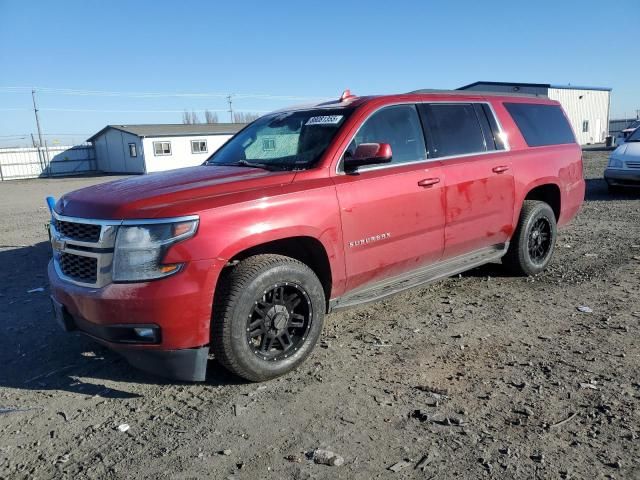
346	94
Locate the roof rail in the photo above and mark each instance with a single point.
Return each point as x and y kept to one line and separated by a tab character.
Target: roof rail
477	92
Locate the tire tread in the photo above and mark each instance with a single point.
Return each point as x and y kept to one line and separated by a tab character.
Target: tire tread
234	281
514	260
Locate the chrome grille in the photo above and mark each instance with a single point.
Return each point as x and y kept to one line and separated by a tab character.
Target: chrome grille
79	268
633	165
84	232
83	250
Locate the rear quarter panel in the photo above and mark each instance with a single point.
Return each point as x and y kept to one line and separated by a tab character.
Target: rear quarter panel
559	165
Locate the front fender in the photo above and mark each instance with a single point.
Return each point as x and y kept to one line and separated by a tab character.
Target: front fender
225	232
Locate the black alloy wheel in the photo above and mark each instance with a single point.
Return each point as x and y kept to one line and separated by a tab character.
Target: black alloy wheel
540	240
279	321
532	244
267	316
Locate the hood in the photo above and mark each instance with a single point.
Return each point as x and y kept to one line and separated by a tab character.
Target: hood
171	193
627	151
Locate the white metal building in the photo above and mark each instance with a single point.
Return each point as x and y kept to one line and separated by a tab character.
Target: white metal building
153	148
586	107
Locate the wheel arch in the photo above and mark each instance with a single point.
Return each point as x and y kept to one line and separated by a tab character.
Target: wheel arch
548	192
307	249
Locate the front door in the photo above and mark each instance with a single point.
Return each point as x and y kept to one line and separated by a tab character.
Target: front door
392	214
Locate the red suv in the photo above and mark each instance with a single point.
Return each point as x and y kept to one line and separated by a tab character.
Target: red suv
307	211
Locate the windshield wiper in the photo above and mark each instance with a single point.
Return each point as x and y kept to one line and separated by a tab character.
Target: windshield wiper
243	163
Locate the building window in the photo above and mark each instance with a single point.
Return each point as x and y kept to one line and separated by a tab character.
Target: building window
198	146
162	148
585	126
132	150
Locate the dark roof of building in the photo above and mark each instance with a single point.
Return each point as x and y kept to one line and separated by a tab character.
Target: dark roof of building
174	130
538	85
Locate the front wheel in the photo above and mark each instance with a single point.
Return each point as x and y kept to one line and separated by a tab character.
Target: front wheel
267	316
532	245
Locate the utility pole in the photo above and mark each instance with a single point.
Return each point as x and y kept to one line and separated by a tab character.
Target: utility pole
43	161
35	111
229	100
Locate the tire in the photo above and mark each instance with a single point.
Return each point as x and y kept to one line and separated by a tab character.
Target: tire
614	189
266	295
529	252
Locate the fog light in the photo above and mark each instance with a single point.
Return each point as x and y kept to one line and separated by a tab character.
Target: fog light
145	333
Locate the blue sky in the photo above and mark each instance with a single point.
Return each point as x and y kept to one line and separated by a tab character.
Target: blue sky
292	49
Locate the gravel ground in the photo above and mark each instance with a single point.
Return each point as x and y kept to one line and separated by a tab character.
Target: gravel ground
482	375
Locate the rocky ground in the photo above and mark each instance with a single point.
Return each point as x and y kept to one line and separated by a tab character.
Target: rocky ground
479	376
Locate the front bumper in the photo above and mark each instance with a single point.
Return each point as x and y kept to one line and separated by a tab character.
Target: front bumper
622	177
178	307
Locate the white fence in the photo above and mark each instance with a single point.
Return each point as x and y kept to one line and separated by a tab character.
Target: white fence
16	163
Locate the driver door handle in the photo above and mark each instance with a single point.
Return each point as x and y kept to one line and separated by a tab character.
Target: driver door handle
500	169
428	182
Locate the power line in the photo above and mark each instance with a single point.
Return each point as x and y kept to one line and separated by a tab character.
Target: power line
138	111
104	93
126	111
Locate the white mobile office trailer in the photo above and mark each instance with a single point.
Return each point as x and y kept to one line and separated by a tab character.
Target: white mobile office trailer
154	148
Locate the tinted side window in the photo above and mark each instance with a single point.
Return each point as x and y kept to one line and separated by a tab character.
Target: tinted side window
454	129
400	127
541	124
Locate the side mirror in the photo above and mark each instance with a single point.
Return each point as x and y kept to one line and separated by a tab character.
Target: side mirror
368	154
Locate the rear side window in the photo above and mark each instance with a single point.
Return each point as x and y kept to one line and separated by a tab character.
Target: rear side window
541	125
454	130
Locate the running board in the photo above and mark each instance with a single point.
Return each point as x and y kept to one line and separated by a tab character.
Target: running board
421	276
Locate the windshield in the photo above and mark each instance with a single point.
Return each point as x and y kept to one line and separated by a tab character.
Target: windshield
635	136
283	141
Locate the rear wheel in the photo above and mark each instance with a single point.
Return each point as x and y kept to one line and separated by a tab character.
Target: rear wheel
267	316
532	245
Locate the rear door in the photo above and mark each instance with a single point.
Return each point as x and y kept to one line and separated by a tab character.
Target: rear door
392	214
479	183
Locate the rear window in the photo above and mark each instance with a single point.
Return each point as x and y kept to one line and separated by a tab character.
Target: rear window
541	124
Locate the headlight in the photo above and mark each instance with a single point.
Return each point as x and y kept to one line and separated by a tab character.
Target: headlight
615	163
140	248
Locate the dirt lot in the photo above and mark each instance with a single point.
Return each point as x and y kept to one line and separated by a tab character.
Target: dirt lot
484	375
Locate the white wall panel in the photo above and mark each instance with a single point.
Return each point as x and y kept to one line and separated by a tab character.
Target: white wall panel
585	105
181	155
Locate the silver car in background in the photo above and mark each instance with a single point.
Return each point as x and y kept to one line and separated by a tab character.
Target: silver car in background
624	163
626	132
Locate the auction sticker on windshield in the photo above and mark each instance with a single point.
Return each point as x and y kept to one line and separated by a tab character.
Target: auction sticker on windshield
325	120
